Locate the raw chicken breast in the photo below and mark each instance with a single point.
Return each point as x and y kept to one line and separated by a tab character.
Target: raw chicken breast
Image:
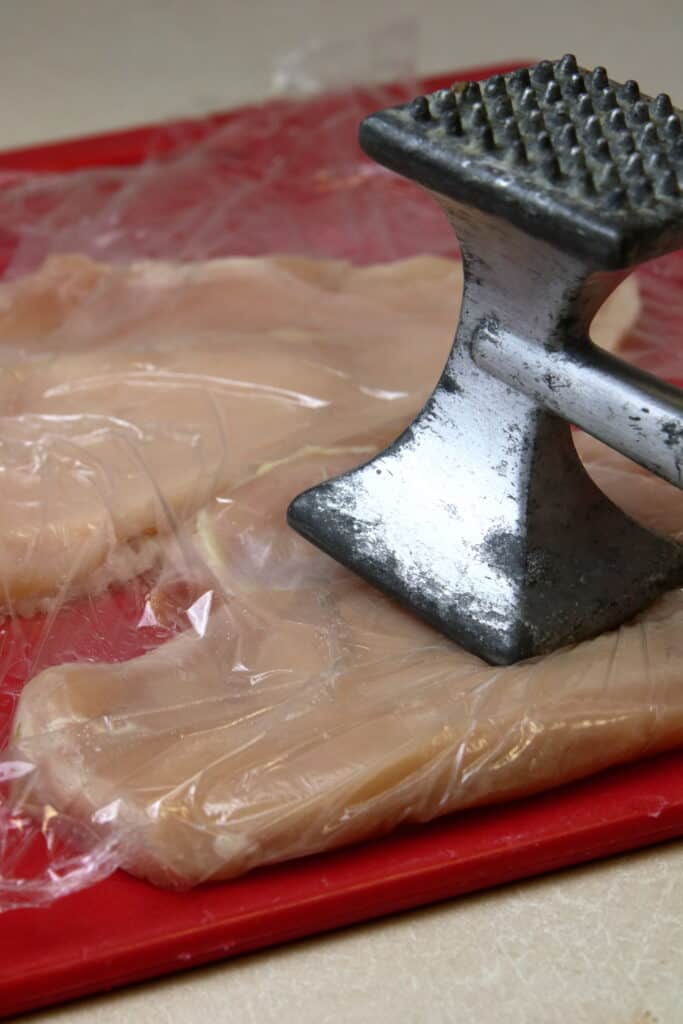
299	709
302	710
129	397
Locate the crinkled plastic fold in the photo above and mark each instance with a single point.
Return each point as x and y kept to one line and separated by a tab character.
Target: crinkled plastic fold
204	691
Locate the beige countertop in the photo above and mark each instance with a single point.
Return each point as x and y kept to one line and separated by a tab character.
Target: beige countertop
597	945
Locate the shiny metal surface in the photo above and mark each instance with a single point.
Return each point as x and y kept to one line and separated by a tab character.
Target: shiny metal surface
480	517
632	411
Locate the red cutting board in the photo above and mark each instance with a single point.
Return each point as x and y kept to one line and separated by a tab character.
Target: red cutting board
122	930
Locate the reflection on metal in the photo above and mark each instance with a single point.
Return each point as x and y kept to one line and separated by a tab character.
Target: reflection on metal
480	517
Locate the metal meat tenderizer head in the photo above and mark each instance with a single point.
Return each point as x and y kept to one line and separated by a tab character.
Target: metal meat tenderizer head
480	516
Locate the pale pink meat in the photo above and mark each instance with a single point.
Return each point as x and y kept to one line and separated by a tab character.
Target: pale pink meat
300	709
130	396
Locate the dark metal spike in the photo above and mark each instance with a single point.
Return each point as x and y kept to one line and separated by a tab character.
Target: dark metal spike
648	137
552	93
542	72
502	109
593	128
419	109
484	135
452	122
567	65
517	152
584	105
444	100
662	106
528	100
495	86
657	162
567	137
617	120
510	129
577	159
519	80
551	168
667	183
558	116
609	178
624	142
556	124
630	91
607	99
479	115
535	121
641	112
575	85
471	93
672	127
600	150
634	166
543	142
599	79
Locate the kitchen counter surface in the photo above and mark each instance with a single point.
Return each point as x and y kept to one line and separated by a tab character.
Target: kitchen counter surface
601	944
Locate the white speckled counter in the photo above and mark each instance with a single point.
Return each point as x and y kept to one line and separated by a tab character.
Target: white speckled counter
598	945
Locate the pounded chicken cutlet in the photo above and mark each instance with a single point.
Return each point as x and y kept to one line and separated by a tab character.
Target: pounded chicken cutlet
130	396
303	710
300	709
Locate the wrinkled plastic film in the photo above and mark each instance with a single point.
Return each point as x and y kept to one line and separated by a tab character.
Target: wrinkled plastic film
189	689
284	177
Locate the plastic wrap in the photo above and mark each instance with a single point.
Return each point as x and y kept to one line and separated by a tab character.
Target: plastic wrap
206	691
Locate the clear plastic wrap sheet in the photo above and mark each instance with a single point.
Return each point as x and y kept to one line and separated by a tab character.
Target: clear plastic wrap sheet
289	177
208	693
